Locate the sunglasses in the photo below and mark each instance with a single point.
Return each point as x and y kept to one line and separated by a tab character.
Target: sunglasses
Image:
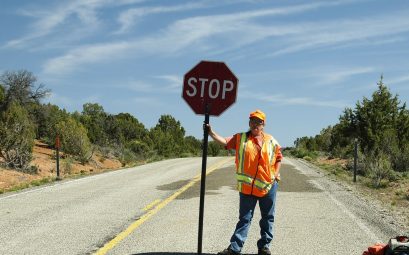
257	122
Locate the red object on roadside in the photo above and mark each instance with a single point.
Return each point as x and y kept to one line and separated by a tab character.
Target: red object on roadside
402	239
377	249
57	142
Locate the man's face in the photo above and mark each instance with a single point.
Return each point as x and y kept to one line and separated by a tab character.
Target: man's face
256	126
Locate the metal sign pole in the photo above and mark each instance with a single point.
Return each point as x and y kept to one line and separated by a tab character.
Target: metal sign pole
203	180
58	163
57	147
355	157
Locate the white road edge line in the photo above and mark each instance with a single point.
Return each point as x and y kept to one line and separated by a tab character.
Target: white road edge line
345	210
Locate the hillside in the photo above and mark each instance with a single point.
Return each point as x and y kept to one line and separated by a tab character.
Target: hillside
43	167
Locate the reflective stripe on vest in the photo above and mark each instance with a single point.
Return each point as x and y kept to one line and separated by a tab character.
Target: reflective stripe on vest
242	178
242	149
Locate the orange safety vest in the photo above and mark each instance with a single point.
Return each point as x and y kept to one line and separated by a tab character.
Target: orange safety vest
255	170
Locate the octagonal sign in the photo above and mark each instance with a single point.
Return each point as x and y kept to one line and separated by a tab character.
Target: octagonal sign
210	84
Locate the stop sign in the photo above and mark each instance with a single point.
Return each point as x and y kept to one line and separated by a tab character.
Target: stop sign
210	83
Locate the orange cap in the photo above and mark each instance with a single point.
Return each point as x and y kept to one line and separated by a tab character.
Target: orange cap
258	114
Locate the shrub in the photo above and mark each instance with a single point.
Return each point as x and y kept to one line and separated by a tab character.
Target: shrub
40	182
127	157
186	155
379	167
16	137
360	166
401	160
307	158
67	165
107	152
74	140
214	148
32	170
140	149
302	153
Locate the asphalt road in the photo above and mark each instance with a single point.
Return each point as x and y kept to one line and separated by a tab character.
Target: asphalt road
153	209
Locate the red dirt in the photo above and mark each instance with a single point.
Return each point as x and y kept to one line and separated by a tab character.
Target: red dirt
45	161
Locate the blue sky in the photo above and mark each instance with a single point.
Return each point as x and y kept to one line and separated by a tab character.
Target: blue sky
301	62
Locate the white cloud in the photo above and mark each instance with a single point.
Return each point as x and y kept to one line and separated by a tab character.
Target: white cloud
352	32
166	84
148	101
192	30
173	82
85	55
315	76
128	18
141	86
399	79
171	78
125	2
336	76
49	20
285	100
213	33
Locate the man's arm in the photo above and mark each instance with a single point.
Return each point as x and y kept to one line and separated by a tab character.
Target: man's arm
277	167
277	164
219	139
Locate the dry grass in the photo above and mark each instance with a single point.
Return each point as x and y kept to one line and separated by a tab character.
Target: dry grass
393	195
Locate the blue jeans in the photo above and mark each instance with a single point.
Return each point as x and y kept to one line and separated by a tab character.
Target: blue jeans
247	206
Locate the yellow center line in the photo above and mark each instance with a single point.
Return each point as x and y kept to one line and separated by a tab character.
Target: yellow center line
148	207
111	244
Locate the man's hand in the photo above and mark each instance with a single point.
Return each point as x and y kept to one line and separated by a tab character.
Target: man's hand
208	128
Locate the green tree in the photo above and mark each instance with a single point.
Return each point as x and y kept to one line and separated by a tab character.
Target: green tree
16	137
93	118
131	128
2	95
169	124
163	143
402	126
214	148
376	117
74	139
113	132
193	146
323	140
139	148
401	159
130	134
46	117
381	126
306	143
343	135
168	137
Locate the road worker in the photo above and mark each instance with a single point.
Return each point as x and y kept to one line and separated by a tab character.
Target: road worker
258	161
